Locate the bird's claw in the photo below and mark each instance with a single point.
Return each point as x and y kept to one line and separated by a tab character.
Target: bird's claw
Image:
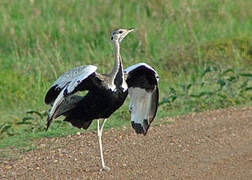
105	168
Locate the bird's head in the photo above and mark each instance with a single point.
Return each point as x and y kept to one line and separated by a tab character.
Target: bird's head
119	34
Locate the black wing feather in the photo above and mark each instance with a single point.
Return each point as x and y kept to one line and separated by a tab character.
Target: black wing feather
142	81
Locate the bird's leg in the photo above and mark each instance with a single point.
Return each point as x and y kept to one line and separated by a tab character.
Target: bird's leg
99	133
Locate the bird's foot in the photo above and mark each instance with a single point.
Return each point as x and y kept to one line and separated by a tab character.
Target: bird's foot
105	168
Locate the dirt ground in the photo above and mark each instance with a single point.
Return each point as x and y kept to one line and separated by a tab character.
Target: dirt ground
210	145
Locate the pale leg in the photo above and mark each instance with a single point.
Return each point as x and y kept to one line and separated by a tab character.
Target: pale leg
99	133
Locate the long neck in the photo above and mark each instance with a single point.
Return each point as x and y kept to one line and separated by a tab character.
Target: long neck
117	59
116	76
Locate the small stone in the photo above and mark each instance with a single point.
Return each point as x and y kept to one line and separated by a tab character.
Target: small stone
78	133
55	161
8	167
42	145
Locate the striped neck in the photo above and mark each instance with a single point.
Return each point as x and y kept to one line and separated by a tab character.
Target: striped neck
117	76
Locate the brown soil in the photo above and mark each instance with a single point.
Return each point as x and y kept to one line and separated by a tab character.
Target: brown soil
209	145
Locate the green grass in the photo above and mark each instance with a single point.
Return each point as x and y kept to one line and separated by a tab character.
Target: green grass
39	40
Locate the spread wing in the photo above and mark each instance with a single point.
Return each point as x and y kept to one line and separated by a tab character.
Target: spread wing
61	94
143	91
65	79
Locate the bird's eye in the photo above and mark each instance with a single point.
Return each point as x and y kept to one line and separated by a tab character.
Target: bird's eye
120	32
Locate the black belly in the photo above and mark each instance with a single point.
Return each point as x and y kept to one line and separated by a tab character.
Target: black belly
95	105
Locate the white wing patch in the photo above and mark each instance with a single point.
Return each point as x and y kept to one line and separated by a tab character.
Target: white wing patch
124	85
140	102
56	104
77	80
135	66
73	73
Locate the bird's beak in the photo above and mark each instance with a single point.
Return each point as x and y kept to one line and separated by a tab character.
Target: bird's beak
125	34
128	31
131	29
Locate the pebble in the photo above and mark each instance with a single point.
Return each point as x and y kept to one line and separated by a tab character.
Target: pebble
8	167
78	133
42	145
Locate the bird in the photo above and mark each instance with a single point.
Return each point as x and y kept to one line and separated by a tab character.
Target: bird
105	94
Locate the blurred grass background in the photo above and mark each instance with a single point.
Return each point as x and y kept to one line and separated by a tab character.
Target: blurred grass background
202	51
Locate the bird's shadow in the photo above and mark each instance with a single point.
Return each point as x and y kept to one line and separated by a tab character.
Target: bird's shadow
93	169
